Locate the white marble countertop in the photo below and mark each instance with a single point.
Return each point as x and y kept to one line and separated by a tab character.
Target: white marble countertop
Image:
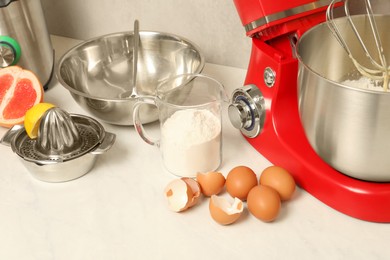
117	211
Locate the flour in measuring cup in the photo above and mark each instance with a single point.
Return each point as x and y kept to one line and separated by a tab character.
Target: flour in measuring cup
191	142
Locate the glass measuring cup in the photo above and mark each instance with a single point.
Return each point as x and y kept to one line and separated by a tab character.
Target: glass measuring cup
190	114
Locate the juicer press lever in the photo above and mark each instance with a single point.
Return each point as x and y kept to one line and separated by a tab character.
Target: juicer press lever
247	110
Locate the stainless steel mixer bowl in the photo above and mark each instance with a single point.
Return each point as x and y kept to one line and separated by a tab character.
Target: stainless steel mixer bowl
348	127
97	71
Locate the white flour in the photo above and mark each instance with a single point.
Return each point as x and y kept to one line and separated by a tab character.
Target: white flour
191	142
365	83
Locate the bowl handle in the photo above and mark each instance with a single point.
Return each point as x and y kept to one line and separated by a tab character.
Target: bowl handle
105	145
8	137
137	121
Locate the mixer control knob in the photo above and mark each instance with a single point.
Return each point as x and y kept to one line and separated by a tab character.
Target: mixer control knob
240	115
246	111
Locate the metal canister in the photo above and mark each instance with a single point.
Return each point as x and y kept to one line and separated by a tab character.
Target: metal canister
24	38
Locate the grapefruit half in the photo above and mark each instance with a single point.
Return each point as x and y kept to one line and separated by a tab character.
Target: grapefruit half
19	91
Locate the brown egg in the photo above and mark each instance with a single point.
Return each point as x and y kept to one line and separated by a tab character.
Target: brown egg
211	183
264	203
223	212
280	179
240	181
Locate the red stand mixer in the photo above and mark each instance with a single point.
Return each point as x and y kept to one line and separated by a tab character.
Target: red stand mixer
266	108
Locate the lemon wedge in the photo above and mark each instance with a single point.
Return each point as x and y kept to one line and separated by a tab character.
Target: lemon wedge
33	118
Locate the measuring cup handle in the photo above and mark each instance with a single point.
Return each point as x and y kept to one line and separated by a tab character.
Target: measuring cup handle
137	121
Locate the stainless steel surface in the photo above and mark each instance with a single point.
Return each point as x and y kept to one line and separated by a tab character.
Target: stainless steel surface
97	71
60	138
7	56
44	157
247	110
61	172
269	77
7	139
71	169
55	143
377	67
105	145
24	21
135	58
348	127
285	13
133	92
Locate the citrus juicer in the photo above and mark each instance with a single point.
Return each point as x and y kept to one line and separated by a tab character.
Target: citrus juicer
266	108
66	146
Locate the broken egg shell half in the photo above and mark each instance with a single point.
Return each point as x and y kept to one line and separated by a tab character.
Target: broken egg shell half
196	191
211	183
182	194
224	212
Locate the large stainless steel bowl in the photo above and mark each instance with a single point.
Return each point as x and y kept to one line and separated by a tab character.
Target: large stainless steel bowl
348	127
97	71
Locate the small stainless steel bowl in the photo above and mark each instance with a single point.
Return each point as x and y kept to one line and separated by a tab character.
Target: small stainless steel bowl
98	71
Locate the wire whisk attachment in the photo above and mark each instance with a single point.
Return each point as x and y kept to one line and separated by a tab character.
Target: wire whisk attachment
379	69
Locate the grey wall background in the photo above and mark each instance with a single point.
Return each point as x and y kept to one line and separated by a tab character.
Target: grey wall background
213	25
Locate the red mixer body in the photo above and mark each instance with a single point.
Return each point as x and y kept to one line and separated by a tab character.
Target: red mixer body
263	15
282	140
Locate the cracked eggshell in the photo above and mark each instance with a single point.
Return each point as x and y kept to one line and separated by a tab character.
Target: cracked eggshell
224	212
179	195
196	191
211	183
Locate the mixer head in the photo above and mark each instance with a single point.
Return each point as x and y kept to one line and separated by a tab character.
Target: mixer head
270	19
